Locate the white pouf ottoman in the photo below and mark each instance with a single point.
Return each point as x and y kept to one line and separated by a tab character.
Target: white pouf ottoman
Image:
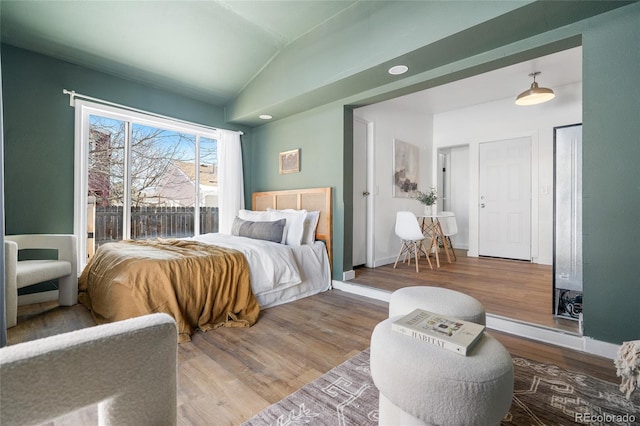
423	384
439	300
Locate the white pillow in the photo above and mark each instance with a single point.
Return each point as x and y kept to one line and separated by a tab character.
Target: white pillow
294	229
255	216
310	225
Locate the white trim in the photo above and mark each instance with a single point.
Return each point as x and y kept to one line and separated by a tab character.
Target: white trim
384	261
126	180
84	109
81	128
535	332
348	275
507	325
362	290
371	184
598	347
147	119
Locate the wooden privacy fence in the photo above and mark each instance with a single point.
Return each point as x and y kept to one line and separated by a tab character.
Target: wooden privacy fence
152	222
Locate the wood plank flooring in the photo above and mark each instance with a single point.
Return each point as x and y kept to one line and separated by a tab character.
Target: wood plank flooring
508	288
226	376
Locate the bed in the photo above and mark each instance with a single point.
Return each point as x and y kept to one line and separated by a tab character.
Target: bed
215	280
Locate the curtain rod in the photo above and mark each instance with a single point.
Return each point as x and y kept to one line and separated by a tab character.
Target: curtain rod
73	95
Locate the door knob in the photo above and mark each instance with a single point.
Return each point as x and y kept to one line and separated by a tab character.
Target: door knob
482	205
365	193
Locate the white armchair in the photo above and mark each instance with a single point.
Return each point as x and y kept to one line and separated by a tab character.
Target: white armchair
24	273
127	368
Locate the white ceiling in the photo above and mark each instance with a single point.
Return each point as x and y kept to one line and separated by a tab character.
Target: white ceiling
557	70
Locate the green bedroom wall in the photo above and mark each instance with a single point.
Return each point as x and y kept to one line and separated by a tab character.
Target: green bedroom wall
610	176
318	134
39	132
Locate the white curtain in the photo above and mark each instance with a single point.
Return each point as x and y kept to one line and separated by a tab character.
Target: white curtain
230	180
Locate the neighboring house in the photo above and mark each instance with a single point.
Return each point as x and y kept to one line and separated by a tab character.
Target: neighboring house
175	186
99	183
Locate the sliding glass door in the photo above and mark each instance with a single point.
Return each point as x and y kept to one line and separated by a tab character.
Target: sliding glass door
140	177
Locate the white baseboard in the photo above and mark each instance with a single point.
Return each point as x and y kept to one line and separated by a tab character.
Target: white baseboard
348	275
362	290
385	261
543	261
40	297
605	349
507	325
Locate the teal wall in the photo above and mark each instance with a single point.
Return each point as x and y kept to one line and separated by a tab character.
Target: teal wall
318	134
39	132
611	152
611	176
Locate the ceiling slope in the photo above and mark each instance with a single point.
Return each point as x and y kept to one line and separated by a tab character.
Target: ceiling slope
279	92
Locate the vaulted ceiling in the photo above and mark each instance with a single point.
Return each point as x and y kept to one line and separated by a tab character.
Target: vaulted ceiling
209	50
281	57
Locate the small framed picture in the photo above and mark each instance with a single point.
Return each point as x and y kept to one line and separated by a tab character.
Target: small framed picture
290	161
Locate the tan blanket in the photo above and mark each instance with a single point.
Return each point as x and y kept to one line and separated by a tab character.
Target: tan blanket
200	285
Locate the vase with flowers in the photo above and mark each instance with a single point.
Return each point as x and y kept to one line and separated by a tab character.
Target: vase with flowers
429	200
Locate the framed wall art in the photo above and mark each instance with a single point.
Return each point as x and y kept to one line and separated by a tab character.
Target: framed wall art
406	166
289	161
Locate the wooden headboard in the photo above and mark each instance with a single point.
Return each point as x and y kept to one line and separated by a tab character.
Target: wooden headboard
310	199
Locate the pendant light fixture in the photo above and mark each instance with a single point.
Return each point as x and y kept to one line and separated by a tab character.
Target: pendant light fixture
535	95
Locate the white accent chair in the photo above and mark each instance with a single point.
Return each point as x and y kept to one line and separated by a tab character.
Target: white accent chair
24	273
449	228
408	229
127	368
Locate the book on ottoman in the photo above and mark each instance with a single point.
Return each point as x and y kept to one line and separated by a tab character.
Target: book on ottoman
449	333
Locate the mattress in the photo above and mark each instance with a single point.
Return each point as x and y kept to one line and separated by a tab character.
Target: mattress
304	270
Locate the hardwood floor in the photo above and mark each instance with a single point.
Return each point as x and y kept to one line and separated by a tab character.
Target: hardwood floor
226	376
508	288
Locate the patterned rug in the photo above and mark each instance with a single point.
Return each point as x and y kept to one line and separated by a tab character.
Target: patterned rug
544	394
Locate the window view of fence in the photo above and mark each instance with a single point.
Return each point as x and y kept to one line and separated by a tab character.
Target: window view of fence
151	178
152	222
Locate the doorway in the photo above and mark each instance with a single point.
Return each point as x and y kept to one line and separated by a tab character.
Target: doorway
505	199
453	185
469	124
362	189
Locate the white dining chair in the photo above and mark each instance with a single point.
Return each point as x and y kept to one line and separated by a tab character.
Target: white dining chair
408	229
449	228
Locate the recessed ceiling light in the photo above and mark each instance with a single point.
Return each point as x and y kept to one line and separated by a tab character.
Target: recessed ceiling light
398	69
266	116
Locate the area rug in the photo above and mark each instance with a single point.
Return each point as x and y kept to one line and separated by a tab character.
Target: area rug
544	394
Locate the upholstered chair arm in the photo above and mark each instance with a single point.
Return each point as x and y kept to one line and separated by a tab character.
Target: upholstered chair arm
65	244
10	283
127	367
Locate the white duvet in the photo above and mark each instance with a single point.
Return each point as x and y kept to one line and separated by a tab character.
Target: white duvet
272	266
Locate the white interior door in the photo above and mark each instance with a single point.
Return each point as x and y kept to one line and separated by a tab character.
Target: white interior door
360	192
505	199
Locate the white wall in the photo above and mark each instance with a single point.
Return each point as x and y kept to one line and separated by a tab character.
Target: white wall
501	120
463	130
413	127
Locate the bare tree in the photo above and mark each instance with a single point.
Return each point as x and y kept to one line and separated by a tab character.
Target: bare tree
153	151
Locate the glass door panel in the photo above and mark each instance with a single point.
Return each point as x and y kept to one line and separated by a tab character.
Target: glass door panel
105	181
162	176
